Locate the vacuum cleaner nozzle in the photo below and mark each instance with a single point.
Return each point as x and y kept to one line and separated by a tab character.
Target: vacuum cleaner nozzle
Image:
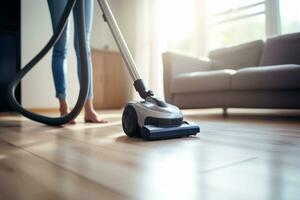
151	132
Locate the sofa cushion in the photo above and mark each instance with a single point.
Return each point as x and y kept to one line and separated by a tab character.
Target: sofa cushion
267	78
217	80
284	49
236	57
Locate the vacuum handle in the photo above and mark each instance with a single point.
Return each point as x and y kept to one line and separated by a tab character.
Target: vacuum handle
130	64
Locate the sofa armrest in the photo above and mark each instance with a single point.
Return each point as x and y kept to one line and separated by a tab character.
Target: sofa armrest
175	64
178	63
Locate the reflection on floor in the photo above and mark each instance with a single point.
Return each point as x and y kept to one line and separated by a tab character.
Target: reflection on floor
251	154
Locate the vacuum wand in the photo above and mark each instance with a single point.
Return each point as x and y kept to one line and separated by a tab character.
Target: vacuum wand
130	64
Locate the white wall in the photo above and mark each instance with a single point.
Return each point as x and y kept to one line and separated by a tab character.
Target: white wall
126	15
101	35
38	87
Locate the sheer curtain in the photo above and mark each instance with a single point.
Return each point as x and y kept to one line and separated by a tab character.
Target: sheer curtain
166	25
149	47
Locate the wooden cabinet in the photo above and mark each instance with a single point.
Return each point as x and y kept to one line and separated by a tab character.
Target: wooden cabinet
109	79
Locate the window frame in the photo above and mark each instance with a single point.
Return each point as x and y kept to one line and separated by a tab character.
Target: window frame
271	12
234	11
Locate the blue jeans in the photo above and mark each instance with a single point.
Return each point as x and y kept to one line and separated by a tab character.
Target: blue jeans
60	50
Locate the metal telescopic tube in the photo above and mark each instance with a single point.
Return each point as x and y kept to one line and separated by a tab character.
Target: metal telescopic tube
112	23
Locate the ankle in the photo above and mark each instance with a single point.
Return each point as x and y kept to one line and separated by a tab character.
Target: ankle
88	106
63	105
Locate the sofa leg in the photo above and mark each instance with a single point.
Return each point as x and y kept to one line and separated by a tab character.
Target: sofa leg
225	114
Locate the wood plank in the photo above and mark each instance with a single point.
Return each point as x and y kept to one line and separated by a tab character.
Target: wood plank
182	168
24	175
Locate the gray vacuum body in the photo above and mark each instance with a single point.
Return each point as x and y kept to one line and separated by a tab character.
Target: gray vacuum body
154	119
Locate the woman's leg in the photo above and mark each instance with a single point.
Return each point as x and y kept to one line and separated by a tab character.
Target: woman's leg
59	55
90	113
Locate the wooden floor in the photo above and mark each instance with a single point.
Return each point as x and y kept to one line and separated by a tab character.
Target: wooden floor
248	155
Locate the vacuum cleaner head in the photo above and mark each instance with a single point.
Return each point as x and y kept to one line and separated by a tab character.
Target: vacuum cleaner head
154	119
151	132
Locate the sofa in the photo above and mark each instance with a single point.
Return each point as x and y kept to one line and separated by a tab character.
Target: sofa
257	74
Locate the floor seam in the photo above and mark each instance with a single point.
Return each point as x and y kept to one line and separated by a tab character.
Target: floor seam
55	164
227	165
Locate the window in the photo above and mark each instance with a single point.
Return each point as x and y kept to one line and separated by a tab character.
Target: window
177	19
198	26
233	22
290	16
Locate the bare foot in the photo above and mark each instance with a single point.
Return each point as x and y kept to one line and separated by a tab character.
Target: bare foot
64	109
93	117
90	115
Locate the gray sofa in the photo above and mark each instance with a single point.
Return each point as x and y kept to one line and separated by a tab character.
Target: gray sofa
251	75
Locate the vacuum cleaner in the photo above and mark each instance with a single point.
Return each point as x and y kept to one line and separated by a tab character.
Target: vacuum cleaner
151	118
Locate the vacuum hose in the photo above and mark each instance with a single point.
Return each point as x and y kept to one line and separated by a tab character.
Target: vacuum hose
56	121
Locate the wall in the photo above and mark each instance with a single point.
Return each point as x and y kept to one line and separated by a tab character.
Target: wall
37	87
126	15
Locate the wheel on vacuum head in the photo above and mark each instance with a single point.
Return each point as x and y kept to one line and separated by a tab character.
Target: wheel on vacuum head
130	122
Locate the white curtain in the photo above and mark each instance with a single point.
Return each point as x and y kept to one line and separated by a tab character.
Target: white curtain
149	43
154	20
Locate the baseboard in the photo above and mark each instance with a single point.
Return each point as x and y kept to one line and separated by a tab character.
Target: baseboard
44	110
